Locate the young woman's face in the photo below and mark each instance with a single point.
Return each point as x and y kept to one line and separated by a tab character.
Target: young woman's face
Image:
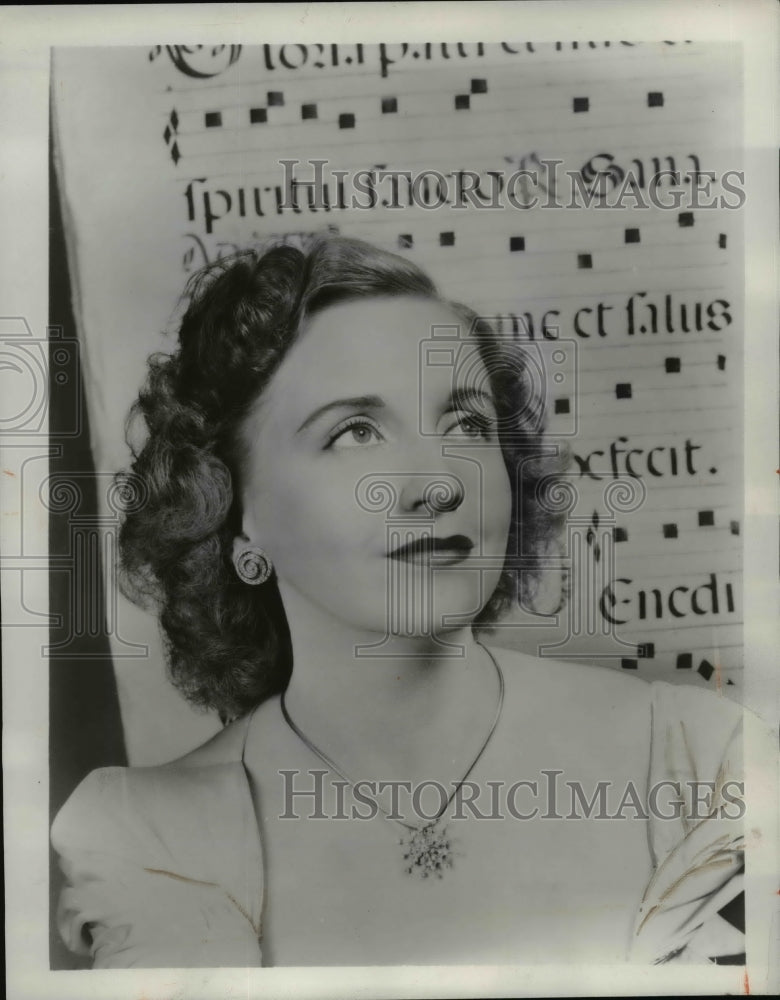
375	479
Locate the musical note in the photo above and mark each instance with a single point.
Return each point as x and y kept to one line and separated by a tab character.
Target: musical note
170	133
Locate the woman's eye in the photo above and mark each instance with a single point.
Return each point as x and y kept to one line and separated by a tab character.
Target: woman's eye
470	425
355	434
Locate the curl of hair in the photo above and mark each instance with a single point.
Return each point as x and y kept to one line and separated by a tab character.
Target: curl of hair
228	644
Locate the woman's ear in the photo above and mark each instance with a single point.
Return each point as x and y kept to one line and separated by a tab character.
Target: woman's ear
240	543
248	532
247	538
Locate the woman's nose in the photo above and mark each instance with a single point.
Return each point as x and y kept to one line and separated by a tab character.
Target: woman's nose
432	492
422	483
430	486
439	495
401	494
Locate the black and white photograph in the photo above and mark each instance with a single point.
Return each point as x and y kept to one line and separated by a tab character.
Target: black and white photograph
389	528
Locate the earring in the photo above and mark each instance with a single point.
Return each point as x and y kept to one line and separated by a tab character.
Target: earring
252	565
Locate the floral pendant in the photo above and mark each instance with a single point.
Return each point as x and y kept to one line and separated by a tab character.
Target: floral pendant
427	851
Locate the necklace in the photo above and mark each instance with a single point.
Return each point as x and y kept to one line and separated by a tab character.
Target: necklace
427	850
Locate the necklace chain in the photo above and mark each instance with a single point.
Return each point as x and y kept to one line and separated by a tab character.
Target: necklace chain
428	850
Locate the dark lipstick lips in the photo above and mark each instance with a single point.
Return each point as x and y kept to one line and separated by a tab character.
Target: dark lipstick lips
454	547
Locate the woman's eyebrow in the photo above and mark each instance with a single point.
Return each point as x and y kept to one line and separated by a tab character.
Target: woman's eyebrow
353	402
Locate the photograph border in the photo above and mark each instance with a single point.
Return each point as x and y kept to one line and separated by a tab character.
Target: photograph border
26	36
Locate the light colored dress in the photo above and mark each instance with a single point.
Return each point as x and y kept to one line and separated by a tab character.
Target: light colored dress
164	865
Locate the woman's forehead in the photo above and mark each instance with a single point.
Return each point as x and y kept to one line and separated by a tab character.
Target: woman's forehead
359	346
383	323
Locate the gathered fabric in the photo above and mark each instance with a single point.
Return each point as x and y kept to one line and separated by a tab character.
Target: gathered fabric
163	868
698	852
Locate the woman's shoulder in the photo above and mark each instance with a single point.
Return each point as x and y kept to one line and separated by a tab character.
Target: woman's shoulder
689	740
616	688
148	811
162	865
682	722
224	747
568	681
711	710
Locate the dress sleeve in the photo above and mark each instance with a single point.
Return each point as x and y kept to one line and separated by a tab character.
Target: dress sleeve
162	867
693	907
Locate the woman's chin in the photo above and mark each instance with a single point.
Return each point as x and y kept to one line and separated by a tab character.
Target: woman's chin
448	608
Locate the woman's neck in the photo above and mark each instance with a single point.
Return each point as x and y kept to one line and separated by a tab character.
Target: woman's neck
409	708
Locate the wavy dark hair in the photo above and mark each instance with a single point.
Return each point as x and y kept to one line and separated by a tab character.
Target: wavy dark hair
228	643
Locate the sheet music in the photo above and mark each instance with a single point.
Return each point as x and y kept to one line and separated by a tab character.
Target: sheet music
172	157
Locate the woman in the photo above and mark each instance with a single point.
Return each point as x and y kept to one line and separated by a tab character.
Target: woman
344	489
